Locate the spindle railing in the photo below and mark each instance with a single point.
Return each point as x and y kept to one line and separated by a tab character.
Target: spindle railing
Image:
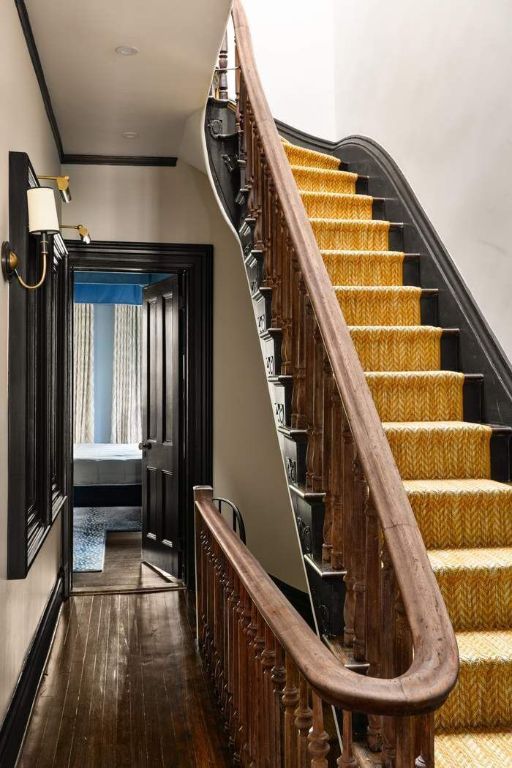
395	620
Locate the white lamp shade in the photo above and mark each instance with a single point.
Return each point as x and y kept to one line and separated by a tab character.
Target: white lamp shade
42	211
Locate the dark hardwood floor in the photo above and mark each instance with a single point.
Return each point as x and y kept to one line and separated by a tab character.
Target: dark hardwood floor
123	570
124	688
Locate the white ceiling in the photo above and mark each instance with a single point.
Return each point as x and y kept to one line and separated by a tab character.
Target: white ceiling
98	94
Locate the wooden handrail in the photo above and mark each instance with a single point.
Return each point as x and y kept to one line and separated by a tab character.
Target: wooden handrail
433	671
412	693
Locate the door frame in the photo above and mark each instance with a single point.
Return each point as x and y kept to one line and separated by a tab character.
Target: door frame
194	264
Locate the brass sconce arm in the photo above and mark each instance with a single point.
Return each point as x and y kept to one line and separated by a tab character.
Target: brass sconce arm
10	264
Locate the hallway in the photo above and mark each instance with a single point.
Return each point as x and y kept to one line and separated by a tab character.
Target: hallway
124	687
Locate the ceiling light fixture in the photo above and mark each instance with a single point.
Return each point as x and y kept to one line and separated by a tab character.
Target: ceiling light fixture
62	186
127	50
82	231
129	134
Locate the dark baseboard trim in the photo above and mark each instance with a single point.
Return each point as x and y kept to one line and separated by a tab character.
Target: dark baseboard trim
38	69
15	722
480	351
299	599
137	160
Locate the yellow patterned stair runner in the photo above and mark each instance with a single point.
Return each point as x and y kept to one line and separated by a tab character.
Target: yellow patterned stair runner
464	516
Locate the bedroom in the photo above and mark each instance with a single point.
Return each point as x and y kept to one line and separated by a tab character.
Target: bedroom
107	422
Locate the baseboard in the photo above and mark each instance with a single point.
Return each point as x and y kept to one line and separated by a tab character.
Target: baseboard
15	722
299	599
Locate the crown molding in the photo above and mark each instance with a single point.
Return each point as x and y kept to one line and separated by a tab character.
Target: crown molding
38	69
156	161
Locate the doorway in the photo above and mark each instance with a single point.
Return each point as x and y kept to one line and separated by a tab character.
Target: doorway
148	441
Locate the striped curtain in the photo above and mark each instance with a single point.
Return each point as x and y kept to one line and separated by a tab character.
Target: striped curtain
83	364
126	394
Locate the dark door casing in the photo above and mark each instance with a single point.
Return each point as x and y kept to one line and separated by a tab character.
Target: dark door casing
193	265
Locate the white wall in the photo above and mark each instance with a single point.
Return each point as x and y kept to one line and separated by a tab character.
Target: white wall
431	83
294	43
178	205
23	127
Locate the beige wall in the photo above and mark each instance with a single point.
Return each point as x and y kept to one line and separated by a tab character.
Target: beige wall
177	205
23	127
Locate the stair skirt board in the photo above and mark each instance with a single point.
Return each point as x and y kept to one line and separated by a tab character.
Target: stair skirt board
90	527
464	515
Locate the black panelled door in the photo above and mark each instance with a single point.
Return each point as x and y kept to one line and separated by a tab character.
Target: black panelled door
160	424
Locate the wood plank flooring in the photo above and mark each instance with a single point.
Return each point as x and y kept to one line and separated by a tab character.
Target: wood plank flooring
123	569
124	688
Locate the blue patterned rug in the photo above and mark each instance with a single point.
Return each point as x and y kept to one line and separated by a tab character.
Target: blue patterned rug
90	526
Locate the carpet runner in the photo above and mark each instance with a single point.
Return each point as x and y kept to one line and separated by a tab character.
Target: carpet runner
90	527
464	516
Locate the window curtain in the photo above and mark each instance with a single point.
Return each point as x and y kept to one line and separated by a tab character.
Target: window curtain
126	394
83	363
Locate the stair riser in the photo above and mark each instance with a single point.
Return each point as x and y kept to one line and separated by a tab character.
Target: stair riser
254	268
294	454
358	208
481	699
443	404
262	310
477	599
272	353
424	455
462	461
335	183
328	600
456	521
309	518
391	309
374	274
246	235
371	238
301	156
500	456
281	404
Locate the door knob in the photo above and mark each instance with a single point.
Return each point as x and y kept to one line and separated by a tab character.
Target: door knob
144	444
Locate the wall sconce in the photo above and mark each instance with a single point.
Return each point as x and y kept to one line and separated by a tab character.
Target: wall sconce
62	186
43	221
82	231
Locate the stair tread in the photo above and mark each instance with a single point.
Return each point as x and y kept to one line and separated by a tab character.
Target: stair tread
475	486
415	375
327	172
482	646
475	559
436	426
473	749
370	254
423	329
316	193
370	223
413	290
296	153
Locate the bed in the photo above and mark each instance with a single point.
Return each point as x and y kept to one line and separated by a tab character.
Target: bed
107	474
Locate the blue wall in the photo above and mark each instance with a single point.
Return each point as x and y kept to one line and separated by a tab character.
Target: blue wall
105	289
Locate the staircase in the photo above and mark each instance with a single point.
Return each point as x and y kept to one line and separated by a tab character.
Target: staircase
400	488
451	463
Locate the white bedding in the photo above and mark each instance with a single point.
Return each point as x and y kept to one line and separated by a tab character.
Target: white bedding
107	464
